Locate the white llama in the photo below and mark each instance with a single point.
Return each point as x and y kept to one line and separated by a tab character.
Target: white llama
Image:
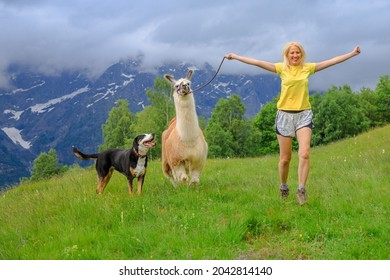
184	148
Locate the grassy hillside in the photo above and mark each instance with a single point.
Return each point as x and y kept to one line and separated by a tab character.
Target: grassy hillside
235	213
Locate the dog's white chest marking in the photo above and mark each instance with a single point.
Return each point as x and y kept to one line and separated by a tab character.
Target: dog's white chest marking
140	168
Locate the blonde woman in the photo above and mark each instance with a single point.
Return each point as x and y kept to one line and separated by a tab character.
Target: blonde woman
294	117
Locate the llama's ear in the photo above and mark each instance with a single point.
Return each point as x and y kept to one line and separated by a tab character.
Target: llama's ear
189	74
170	78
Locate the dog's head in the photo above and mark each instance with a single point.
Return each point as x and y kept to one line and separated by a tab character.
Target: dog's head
182	87
143	142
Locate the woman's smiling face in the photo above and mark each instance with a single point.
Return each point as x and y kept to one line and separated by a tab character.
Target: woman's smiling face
294	56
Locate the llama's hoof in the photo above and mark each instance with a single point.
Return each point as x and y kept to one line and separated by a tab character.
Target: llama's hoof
184	178
194	182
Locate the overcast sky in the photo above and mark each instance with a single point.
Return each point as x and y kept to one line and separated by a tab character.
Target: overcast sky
52	35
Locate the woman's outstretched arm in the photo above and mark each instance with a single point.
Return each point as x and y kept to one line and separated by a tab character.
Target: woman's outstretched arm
259	63
336	60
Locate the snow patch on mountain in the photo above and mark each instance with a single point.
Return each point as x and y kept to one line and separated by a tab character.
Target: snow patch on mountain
103	95
41	108
221	84
129	77
15	135
15	114
21	90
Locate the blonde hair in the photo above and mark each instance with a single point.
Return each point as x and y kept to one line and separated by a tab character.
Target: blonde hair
286	49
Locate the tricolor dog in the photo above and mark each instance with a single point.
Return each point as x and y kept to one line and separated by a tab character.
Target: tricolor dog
132	163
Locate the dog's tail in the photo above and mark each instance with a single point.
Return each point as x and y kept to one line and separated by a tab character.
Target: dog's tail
81	155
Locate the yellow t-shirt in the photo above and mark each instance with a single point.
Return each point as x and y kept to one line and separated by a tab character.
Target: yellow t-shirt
294	94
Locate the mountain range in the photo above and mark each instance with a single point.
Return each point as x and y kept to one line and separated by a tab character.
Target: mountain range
39	111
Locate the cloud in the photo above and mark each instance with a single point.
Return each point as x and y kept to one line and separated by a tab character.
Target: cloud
68	34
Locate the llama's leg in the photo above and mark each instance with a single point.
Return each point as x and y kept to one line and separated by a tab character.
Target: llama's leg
168	172
196	170
195	175
179	173
173	182
193	172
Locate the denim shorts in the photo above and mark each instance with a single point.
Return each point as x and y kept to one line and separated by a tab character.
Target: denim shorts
288	122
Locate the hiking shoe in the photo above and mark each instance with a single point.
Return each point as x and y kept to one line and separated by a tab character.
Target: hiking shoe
284	191
301	196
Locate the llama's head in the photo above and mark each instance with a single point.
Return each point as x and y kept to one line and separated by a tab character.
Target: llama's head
182	87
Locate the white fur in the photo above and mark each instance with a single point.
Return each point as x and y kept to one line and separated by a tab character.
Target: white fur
184	148
140	169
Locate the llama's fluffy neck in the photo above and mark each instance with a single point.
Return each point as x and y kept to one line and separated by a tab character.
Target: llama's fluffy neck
186	117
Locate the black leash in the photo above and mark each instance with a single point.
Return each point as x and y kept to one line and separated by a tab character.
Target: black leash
216	73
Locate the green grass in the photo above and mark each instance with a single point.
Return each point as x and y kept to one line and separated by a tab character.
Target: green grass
235	212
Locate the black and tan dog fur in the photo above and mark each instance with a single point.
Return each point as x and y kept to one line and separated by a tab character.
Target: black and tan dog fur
132	163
